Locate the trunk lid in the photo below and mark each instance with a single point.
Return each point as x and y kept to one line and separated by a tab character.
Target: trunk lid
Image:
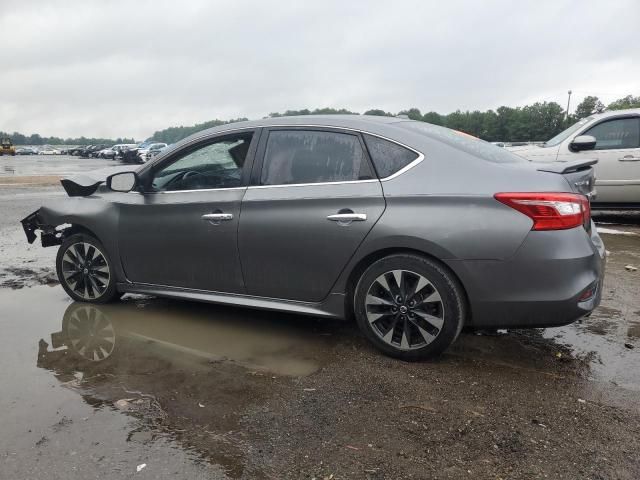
578	173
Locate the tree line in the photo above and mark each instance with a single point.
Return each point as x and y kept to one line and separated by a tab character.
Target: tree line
537	122
35	139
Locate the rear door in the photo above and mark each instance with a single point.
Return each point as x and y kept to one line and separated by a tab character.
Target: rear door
314	198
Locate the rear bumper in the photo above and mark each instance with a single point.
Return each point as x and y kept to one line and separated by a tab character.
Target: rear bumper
542	285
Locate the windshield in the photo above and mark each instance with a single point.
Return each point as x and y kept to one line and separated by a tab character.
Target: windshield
558	139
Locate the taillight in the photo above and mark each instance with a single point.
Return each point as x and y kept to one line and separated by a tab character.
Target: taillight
550	211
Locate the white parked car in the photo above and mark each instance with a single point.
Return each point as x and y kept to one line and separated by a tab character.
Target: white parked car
46	150
613	138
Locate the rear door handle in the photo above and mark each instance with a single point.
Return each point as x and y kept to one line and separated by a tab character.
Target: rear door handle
629	158
216	218
347	217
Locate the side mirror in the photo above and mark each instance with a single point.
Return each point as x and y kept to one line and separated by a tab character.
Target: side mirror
122	182
583	142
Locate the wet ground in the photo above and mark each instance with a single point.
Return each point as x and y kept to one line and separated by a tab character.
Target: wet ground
37	165
201	391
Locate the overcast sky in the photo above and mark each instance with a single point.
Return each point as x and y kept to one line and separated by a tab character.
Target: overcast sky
128	68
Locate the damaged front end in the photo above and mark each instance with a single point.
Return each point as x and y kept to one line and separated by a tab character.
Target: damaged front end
82	208
50	234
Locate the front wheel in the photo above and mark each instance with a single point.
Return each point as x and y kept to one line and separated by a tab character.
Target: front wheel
85	271
409	307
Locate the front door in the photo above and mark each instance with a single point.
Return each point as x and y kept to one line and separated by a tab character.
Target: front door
315	201
182	232
618	152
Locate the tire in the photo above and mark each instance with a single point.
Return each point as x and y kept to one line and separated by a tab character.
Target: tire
409	307
86	279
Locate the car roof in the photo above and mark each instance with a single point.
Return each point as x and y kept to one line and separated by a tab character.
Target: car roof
615	113
356	122
409	133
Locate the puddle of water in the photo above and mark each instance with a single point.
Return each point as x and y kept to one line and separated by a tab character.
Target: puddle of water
191	335
613	231
601	338
176	377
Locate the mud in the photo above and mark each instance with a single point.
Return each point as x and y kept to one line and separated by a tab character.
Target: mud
245	394
29	180
203	391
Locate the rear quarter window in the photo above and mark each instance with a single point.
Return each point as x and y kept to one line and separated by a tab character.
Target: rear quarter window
388	157
462	141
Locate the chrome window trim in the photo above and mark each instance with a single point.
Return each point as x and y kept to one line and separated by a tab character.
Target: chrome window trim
419	159
195	190
406	167
343	182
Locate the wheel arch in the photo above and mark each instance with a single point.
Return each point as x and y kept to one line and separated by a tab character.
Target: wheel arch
79	228
363	263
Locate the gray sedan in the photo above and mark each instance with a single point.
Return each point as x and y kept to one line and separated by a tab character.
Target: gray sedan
414	229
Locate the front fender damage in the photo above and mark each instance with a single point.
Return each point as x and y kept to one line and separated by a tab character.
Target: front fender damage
58	219
51	234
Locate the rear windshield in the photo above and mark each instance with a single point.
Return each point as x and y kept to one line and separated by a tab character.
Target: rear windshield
462	141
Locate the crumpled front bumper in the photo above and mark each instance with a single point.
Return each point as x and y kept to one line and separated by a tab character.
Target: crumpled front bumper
33	222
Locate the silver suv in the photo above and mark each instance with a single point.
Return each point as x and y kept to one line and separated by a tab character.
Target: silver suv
613	138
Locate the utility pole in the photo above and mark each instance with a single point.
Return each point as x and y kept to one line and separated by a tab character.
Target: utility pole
568	103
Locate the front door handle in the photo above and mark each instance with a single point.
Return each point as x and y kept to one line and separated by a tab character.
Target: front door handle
347	217
216	218
629	158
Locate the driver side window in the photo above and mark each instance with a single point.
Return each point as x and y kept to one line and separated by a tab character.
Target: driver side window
616	134
215	165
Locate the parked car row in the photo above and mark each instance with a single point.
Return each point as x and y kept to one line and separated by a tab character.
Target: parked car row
44	150
127	152
26	151
84	151
142	152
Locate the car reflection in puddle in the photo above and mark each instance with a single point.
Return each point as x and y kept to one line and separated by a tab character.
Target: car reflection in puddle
191	333
189	372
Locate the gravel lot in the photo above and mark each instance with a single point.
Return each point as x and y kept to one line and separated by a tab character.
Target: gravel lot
203	391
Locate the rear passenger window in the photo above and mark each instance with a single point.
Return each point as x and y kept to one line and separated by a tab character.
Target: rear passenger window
298	156
388	157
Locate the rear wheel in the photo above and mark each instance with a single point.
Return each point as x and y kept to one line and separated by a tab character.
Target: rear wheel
409	307
85	271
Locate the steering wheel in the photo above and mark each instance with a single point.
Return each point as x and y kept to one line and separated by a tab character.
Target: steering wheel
190	175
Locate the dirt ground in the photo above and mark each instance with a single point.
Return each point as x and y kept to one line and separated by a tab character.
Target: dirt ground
152	388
